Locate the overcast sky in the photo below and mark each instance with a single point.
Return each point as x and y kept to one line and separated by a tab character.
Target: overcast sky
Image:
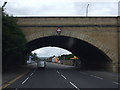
60	8
50	51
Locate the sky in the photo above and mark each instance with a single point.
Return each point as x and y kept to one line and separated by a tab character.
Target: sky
50	51
49	8
61	7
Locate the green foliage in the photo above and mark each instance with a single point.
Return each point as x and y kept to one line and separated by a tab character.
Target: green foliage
65	57
35	57
13	41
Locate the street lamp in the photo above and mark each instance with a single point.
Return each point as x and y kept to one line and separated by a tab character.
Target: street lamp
4	6
87	9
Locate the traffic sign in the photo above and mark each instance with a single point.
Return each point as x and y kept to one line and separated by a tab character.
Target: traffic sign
59	31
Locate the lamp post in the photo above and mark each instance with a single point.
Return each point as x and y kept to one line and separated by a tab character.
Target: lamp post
87	10
4	6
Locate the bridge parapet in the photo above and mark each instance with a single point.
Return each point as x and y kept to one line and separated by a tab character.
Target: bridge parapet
36	21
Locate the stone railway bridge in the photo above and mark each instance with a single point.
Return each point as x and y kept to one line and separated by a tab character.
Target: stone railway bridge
95	40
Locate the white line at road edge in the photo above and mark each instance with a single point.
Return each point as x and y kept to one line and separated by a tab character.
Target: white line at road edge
116	83
74	86
96	77
63	76
25	80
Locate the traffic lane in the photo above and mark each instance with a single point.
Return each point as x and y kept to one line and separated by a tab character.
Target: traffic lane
109	84
83	80
91	78
46	79
40	78
18	83
110	76
57	68
49	77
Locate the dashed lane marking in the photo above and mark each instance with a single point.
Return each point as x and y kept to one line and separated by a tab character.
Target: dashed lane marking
74	86
69	82
12	81
31	74
25	80
116	83
58	72
63	76
96	77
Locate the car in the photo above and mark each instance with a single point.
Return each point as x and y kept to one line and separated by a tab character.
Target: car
41	63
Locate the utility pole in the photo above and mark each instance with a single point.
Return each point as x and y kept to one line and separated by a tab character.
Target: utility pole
87	10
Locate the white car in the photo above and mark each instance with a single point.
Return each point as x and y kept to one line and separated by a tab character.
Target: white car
41	64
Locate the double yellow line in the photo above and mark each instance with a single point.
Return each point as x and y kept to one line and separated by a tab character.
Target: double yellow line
10	82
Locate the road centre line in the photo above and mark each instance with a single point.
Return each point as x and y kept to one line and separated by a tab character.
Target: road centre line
25	80
63	76
96	77
58	72
74	86
116	83
69	82
28	77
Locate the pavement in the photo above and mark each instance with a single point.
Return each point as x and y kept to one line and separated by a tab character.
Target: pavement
65	77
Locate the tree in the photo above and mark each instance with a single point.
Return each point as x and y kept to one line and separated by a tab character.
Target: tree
65	57
34	55
13	42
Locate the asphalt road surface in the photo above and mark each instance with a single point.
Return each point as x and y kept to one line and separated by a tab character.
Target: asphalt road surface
64	77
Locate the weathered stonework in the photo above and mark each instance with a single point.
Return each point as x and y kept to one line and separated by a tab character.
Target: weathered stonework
101	32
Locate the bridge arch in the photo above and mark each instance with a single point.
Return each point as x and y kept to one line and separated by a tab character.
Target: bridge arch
89	55
78	35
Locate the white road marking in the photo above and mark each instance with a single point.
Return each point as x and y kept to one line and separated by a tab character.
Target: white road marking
31	74
74	86
25	80
116	83
58	72
63	76
96	77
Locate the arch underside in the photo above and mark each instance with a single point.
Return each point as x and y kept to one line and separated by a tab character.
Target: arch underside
87	53
82	35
